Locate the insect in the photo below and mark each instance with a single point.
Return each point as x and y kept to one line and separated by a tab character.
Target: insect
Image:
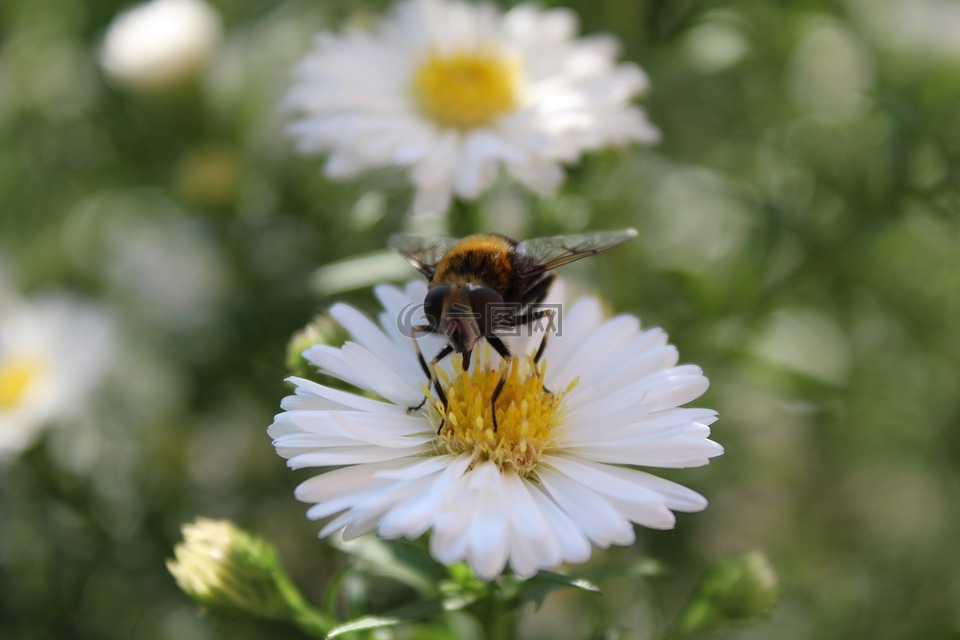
486	283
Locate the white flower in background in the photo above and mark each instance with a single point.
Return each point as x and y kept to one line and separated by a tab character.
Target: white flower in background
558	476
165	266
53	352
161	44
922	28
454	91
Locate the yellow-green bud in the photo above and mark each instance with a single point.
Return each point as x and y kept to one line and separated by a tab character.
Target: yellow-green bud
738	588
321	330
223	567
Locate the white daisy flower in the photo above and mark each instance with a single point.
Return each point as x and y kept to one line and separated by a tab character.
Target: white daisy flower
454	91
53	351
161	44
560	473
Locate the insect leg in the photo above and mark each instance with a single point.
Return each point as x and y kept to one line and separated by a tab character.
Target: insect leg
527	318
538	291
414	330
533	296
436	383
546	334
504	352
530	316
434	380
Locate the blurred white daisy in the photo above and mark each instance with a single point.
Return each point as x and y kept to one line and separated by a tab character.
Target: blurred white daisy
560	473
161	44
53	352
454	91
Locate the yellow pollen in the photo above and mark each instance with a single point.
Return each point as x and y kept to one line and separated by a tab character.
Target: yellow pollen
528	416
15	377
466	89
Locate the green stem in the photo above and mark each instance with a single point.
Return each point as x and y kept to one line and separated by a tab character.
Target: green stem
310	619
313	622
497	619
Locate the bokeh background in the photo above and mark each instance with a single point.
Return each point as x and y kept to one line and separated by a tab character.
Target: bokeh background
799	233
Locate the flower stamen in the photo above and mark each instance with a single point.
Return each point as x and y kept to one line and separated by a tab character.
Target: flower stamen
527	414
464	90
15	378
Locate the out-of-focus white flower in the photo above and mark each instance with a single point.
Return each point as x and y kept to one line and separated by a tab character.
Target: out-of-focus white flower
832	71
53	352
166	266
921	28
560	472
161	44
454	91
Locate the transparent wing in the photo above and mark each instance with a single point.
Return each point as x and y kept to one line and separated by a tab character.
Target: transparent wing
554	251
423	252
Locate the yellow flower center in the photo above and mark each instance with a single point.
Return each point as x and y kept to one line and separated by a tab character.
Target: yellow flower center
527	414
15	377
466	89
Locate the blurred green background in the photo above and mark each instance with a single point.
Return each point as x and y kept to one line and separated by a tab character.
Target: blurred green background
799	224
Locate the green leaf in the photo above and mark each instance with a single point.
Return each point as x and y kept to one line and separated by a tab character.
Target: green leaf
397	560
406	613
537	587
570	581
642	568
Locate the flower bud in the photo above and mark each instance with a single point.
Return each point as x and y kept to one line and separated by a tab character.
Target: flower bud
323	329
223	567
738	588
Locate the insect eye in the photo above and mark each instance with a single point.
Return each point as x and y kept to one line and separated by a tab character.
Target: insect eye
484	302
433	304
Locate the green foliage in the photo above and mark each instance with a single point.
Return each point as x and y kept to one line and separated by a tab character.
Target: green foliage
799	232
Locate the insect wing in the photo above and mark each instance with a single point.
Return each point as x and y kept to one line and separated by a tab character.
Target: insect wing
423	252
554	251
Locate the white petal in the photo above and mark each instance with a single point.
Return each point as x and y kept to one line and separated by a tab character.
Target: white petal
478	165
632	493
344	398
369	335
358	428
574	544
438	167
449	542
634	359
488	527
329	360
665	389
634	423
413	517
594	515
345	480
403	392
596	350
542	177
357	528
679	452
580	320
533	545
307	402
432	200
371	501
352	455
